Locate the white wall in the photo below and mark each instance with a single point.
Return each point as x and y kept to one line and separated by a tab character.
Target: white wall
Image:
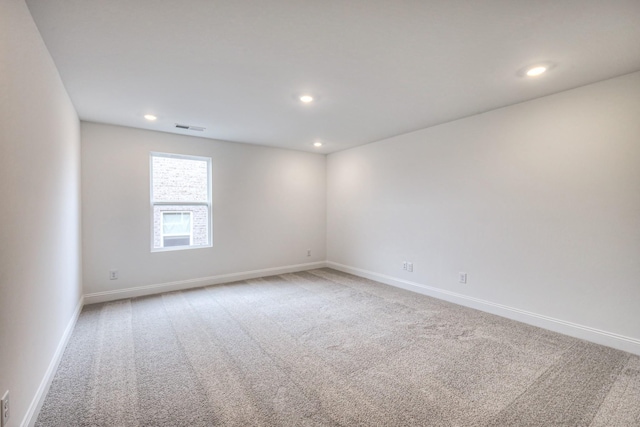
268	209
40	195
538	202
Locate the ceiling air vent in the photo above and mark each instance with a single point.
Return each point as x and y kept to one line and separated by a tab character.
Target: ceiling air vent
188	127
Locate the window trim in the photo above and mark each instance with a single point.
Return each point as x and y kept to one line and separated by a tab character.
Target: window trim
208	204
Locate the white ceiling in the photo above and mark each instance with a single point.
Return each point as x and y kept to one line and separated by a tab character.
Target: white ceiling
377	68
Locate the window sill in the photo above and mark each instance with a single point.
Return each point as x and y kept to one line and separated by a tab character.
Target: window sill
179	248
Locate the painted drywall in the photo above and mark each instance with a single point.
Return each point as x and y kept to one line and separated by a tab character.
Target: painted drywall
40	192
268	209
538	202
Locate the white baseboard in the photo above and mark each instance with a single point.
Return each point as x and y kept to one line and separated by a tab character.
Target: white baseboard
38	400
195	283
620	342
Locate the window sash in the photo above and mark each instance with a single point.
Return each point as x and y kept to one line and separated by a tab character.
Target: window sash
205	160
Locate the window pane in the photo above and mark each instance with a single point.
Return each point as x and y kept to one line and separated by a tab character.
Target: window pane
199	218
176	223
176	241
179	180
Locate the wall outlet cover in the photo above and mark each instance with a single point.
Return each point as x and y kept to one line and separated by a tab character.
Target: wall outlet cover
5	409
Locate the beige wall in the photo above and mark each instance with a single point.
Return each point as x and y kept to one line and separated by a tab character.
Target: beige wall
538	202
40	193
268	209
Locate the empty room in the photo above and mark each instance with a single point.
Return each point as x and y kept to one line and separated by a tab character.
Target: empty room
320	213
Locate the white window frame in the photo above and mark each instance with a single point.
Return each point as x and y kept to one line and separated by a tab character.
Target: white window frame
153	204
163	234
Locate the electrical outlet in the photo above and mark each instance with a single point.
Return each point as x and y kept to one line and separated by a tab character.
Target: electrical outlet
410	267
404	265
462	277
308	252
5	408
113	274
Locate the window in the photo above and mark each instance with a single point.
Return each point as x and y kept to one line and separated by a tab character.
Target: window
180	201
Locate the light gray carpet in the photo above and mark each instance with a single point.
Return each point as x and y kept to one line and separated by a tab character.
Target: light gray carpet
323	348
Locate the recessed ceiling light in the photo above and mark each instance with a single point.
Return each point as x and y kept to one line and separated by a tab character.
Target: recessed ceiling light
150	117
306	98
317	144
536	71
